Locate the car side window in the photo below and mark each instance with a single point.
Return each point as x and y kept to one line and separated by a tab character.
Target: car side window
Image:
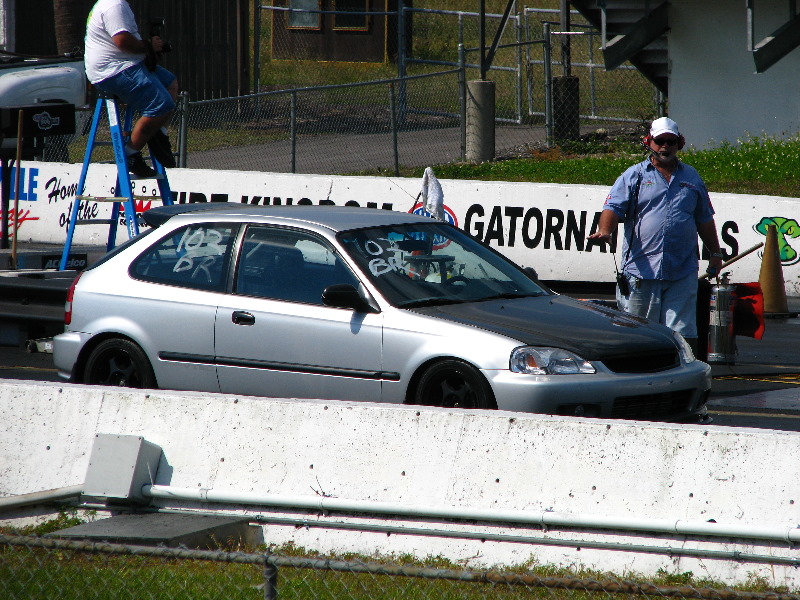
286	264
195	256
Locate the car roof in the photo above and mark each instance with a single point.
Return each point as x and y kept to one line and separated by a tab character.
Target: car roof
333	217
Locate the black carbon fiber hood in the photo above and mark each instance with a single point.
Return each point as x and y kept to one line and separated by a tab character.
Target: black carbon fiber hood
592	331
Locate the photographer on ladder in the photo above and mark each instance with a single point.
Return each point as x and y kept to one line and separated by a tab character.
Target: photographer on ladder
121	64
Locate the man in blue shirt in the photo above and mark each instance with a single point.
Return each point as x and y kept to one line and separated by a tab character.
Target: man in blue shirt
664	206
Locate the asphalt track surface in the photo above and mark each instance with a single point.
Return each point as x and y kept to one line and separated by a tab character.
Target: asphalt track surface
763	384
362	153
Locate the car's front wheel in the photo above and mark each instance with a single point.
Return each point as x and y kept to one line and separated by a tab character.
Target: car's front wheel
454	384
119	362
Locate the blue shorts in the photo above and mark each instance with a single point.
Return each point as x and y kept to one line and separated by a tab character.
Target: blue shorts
143	90
671	303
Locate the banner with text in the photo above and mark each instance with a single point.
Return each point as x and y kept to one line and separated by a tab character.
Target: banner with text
544	226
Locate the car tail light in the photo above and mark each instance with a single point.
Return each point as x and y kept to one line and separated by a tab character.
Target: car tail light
70	295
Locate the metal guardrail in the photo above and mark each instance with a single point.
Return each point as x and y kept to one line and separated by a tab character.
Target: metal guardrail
33	305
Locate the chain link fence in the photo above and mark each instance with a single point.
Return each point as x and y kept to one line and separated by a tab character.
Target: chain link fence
373	127
622	95
46	567
447	38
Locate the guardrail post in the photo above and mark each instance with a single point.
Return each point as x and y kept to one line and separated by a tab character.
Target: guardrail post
393	124
462	87
401	39
293	129
518	98
592	87
401	62
183	129
256	45
480	120
548	85
528	69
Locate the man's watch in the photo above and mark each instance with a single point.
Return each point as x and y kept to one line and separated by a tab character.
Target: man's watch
716	255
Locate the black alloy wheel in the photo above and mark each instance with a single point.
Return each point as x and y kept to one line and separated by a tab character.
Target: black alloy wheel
119	362
454	384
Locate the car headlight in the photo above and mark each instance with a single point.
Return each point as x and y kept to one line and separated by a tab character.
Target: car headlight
536	360
685	349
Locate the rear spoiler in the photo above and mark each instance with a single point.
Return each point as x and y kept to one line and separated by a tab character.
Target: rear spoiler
155	217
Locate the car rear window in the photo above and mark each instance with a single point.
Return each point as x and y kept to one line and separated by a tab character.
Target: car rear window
117	249
195	256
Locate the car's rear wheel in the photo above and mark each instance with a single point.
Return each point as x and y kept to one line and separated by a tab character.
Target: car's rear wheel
454	384
119	362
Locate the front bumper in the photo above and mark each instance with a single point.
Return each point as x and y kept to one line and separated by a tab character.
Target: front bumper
677	394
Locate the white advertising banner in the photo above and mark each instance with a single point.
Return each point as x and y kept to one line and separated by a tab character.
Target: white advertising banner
544	226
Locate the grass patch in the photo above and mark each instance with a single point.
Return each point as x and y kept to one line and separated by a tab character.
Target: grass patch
66	518
33	572
754	166
66	574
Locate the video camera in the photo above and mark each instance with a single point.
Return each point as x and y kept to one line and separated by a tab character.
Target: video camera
157	26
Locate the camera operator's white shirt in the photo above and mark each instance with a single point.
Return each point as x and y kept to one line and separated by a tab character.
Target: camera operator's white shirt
102	58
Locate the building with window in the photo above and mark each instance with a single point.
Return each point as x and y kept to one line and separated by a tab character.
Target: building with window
335	30
729	70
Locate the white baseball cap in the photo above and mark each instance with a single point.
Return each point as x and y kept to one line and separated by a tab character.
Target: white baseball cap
664	125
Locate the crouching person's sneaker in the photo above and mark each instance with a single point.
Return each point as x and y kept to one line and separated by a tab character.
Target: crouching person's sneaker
162	150
138	167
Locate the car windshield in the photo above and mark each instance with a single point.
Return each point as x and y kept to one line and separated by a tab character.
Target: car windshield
425	264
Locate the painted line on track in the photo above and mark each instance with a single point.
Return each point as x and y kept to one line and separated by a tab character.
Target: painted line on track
23	368
734	413
791	379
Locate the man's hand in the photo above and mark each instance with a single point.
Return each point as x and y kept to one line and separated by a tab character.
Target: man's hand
157	44
601	236
155	49
605	228
708	233
714	266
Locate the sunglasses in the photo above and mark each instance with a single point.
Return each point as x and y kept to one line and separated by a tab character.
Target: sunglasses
666	141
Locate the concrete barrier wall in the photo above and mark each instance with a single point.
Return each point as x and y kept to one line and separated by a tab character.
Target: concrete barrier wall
539	225
430	457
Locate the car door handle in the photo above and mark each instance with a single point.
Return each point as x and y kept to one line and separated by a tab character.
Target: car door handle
240	317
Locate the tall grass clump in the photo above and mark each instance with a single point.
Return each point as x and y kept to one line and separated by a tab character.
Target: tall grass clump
756	165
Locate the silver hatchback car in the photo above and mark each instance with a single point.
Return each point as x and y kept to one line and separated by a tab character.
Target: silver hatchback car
345	303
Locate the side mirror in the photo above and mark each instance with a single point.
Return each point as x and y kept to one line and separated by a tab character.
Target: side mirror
534	276
531	272
344	295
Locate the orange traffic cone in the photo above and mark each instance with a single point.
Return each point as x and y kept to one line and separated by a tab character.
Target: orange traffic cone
771	276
